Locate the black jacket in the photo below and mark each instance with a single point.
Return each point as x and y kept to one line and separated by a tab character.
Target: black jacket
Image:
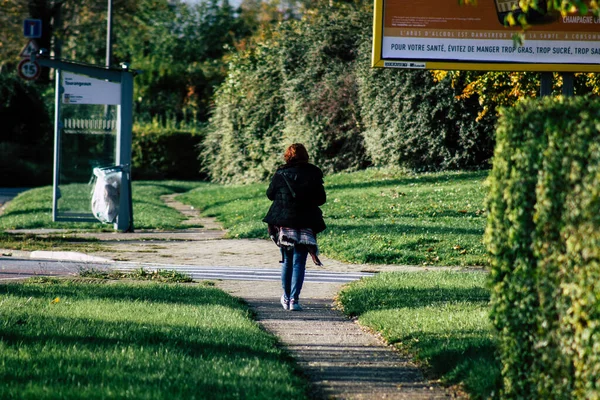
297	192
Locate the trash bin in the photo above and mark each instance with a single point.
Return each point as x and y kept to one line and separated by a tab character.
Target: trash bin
106	195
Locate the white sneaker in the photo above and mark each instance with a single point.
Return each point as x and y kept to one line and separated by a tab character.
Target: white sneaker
285	303
294	306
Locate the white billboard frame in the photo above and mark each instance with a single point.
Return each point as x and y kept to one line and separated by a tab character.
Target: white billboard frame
455	49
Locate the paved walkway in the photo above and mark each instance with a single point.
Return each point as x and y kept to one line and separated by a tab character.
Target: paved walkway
342	360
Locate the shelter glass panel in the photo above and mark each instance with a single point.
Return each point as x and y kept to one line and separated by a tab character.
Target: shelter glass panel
87	139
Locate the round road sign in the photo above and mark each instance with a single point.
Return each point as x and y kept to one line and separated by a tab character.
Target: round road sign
29	70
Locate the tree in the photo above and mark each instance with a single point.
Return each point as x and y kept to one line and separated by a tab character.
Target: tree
71	29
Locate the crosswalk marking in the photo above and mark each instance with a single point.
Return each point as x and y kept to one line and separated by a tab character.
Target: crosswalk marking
13	268
262	274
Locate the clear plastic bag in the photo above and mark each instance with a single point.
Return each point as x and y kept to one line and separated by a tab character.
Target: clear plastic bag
107	194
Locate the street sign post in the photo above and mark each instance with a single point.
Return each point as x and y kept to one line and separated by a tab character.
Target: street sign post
32	28
29	70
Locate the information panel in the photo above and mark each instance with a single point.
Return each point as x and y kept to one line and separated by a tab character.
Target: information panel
441	34
81	89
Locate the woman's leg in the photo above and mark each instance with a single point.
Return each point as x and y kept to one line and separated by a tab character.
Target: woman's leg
299	267
286	271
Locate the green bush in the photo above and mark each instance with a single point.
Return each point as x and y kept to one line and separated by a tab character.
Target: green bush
543	236
412	120
310	81
166	151
320	86
294	84
26	134
243	141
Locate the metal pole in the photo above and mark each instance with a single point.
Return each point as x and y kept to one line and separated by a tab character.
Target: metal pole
568	87
124	138
107	136
57	132
109	34
546	84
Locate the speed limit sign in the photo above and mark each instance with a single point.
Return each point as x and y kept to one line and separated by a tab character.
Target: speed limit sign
29	70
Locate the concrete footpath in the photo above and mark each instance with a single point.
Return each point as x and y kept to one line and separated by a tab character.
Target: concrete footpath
342	360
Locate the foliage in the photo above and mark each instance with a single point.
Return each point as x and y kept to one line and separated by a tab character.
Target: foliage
244	133
543	236
70	340
298	86
504	89
309	81
319	57
442	318
70	29
24	122
11	20
178	45
413	120
166	151
180	48
377	216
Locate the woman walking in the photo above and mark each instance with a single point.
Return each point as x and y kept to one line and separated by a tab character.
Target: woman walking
295	218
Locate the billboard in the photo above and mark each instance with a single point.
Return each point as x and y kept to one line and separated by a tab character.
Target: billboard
442	34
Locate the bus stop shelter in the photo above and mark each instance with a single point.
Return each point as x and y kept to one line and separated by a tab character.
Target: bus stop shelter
92	139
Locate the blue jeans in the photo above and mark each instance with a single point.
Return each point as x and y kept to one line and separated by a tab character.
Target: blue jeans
292	270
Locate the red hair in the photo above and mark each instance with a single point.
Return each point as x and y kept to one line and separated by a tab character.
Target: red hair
296	153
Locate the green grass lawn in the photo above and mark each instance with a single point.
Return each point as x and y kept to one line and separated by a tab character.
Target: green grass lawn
72	340
33	209
375	216
441	318
161	335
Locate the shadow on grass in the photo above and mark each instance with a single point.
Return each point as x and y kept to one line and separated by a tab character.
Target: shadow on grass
155	293
28	211
457	356
88	356
50	238
422	179
171	186
464	356
103	336
362	229
357	301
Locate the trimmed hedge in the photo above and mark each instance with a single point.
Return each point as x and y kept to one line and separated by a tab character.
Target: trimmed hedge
543	236
166	152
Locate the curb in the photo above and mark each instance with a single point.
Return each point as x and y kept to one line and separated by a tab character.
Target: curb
67	256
